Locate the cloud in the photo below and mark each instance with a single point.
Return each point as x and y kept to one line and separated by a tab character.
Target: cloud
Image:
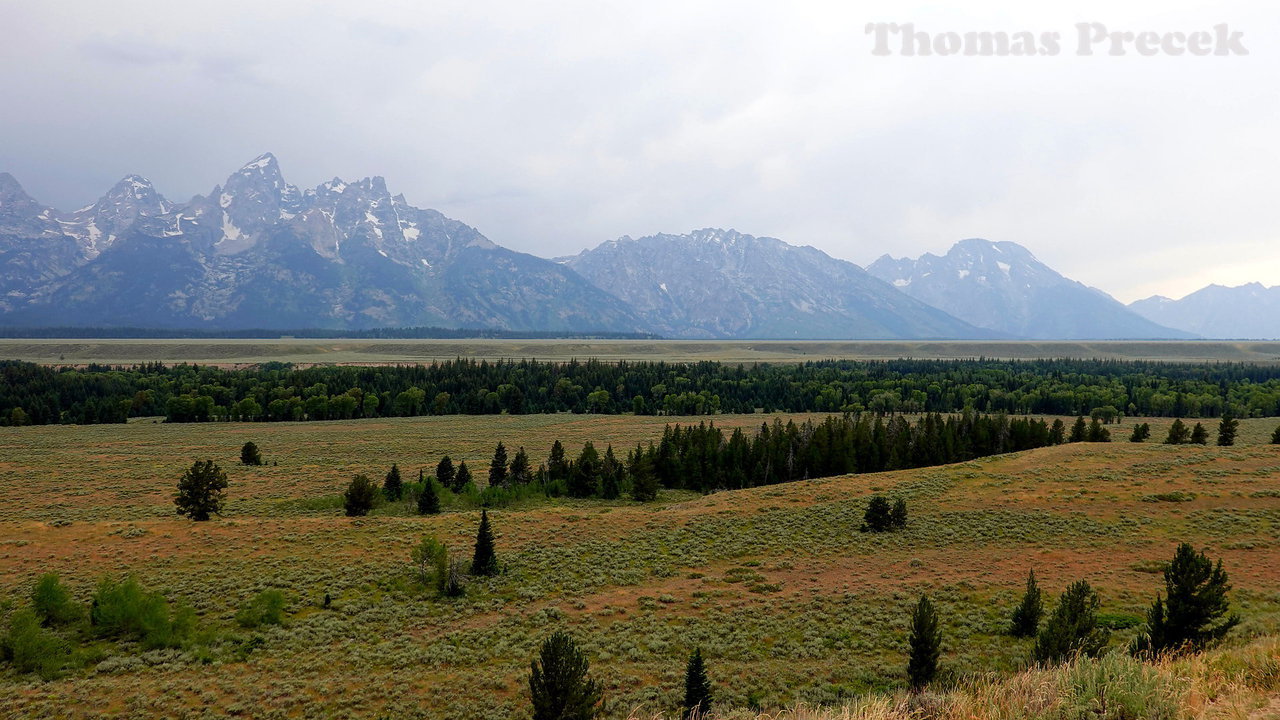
554	126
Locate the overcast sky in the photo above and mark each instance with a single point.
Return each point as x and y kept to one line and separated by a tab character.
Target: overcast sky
553	126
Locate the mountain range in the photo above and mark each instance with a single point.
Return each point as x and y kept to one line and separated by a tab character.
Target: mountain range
1250	311
258	252
1003	287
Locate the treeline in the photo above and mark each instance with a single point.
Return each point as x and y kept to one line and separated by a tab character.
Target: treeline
704	458
1109	389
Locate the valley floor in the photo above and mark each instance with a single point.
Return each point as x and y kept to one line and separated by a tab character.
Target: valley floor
788	600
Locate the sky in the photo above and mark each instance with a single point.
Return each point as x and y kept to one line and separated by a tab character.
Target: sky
555	126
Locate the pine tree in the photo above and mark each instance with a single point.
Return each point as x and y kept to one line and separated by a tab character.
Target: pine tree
1058	433
445	473
559	685
1195	613
462	478
1026	617
1078	430
484	562
1097	433
611	472
878	516
498	467
520	467
1199	436
200	491
898	515
250	455
1227	430
1072	628
557	466
1178	433
359	497
925	643
393	485
697	688
584	477
1275	436
429	498
644	482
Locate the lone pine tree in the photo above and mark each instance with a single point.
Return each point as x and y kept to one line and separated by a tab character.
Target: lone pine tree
697	688
879	515
250	455
925	644
1026	617
1195	611
559	685
485	561
200	491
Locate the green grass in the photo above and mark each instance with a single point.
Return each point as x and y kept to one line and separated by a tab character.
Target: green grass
788	600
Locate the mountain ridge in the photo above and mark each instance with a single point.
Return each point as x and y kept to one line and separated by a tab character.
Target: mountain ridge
1003	286
716	283
259	252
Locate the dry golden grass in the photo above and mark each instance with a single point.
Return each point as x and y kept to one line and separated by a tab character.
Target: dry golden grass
361	352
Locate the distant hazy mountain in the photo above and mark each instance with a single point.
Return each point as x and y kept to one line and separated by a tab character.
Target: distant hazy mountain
720	283
258	252
1249	311
1001	286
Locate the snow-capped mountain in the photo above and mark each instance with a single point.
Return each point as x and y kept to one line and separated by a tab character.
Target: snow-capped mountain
1003	287
258	252
1250	311
715	283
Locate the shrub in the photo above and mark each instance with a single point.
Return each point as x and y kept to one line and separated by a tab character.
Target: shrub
265	608
31	648
123	610
53	604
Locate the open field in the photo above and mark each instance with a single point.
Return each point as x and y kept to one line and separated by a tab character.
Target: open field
787	599
376	352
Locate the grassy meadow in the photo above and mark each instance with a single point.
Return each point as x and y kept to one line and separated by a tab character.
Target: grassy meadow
788	600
